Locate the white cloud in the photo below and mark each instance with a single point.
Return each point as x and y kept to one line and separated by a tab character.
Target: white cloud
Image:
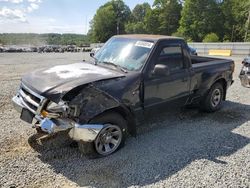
12	1
12	14
32	7
35	1
51	20
16	18
19	13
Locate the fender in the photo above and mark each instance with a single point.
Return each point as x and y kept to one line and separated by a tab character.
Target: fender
91	102
212	80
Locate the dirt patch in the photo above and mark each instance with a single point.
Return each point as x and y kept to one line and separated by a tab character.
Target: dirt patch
15	146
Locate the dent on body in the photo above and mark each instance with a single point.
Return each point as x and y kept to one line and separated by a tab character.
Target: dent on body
91	101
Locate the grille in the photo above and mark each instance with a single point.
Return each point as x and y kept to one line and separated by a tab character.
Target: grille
31	100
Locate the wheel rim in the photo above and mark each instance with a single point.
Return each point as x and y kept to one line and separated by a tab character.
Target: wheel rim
216	97
108	140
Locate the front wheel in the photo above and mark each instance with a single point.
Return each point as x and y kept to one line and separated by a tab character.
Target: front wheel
213	100
110	139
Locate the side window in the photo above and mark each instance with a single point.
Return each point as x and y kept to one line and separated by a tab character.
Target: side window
172	57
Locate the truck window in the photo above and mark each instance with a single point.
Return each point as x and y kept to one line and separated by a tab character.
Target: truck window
172	57
131	54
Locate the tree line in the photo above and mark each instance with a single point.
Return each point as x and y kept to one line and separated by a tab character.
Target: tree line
194	20
43	39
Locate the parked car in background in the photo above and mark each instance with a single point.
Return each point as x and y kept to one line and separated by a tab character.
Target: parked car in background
192	50
93	51
245	72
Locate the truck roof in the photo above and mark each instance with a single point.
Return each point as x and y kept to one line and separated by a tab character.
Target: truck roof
147	37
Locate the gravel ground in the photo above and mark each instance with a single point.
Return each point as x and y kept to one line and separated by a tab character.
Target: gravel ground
183	148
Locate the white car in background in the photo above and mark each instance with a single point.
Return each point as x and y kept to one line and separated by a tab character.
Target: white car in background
94	50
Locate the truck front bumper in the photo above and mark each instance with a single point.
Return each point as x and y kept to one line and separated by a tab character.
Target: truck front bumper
245	80
85	132
17	103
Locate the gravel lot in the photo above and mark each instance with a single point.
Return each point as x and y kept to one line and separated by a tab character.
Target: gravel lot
184	148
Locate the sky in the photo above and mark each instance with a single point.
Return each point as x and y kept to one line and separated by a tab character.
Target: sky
51	16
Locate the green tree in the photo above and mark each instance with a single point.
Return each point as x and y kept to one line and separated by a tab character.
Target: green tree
104	24
201	17
152	22
169	14
137	21
211	37
235	19
110	19
164	17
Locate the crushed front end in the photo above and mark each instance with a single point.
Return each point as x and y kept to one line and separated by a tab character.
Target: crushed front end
51	117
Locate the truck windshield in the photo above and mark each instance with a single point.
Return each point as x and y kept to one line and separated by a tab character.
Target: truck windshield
129	54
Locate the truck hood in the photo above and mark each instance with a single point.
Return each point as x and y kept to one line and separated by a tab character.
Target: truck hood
55	82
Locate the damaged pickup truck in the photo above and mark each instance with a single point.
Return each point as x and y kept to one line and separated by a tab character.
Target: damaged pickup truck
99	103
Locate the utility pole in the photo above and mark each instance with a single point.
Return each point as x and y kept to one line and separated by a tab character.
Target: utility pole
117	27
86	25
119	15
247	26
232	36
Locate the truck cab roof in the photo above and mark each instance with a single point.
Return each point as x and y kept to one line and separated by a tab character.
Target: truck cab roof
154	38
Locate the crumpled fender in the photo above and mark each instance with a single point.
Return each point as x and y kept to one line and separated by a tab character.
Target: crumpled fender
92	101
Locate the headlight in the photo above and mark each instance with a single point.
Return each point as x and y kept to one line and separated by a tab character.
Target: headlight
246	69
62	109
57	108
54	110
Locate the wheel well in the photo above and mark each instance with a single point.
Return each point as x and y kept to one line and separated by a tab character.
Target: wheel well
223	82
127	115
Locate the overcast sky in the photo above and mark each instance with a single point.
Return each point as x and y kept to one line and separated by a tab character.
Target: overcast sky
50	16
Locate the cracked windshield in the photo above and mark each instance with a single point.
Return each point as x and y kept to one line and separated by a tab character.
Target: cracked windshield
129	54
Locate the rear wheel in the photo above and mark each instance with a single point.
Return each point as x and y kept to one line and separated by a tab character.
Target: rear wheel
213	100
110	139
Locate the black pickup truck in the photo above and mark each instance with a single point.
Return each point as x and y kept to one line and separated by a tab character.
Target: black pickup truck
98	103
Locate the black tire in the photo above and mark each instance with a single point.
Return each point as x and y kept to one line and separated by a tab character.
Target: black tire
110	118
209	104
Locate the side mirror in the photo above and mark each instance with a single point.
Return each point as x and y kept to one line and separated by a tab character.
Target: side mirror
161	70
94	51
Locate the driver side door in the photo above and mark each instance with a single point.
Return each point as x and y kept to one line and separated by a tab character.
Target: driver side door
171	88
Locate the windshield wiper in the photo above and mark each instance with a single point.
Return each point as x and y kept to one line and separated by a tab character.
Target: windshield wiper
115	65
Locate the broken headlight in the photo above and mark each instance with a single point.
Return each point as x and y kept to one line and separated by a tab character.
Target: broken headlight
57	108
246	69
62	109
54	110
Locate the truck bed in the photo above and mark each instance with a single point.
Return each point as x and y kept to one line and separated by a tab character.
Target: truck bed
208	69
203	59
202	62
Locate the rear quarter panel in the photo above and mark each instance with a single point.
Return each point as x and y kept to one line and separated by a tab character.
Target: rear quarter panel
207	73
